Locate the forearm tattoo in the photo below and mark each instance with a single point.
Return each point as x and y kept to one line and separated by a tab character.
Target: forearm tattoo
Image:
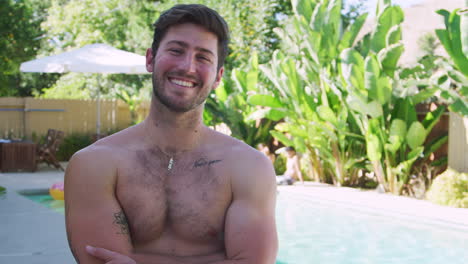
121	221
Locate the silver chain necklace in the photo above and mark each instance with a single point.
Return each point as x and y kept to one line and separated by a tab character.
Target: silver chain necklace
171	163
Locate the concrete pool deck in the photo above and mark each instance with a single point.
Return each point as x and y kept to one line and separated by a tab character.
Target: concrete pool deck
34	234
31	233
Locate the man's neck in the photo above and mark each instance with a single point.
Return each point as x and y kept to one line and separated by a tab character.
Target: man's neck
174	132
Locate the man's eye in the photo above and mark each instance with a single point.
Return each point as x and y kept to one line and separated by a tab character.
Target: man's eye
175	51
204	58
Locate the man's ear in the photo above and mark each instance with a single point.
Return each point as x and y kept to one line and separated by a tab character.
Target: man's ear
219	76
149	60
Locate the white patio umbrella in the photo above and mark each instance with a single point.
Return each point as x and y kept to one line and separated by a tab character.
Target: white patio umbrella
93	58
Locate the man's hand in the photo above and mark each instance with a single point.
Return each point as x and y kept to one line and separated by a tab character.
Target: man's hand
110	257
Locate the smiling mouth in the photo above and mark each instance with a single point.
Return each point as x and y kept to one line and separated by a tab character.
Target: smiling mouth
182	83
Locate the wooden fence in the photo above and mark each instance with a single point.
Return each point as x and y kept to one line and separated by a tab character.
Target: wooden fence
26	117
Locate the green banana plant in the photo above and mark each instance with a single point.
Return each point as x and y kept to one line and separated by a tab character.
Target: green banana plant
344	103
304	77
454	39
383	105
230	106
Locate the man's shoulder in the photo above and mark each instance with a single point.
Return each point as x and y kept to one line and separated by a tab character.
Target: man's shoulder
236	148
244	160
108	148
122	138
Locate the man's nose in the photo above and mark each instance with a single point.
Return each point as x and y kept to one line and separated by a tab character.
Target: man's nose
189	65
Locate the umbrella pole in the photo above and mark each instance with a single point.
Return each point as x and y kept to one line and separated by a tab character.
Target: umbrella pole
98	111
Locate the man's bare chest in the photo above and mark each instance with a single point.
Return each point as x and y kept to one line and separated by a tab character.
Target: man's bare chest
187	201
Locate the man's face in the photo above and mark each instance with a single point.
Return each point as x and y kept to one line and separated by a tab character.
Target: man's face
185	67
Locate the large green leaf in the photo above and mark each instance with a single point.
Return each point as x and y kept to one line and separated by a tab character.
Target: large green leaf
276	114
416	135
327	114
389	57
371	73
282	138
397	135
383	92
240	79
451	39
333	21
394	35
272	114
374	109
424	94
264	100
459	106
303	7
251	81
300	144
313	45
374	148
444	38
297	131
352	32
221	92
403	169
404	109
283	127
457	45
357	103
391	16
318	17
431	118
381	6
292	78
435	144
352	68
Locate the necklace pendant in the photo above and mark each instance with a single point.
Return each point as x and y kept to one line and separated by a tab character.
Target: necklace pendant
171	162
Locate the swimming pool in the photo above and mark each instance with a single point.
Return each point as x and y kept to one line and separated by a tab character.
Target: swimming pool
316	232
45	199
313	231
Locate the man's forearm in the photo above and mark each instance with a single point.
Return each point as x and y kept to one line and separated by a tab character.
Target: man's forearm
167	259
218	258
113	257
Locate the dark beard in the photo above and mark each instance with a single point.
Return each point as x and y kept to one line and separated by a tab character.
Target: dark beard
166	101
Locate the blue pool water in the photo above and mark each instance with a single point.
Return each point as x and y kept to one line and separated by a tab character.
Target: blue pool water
47	200
313	232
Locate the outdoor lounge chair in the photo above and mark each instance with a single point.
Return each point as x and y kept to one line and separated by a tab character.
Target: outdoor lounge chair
46	152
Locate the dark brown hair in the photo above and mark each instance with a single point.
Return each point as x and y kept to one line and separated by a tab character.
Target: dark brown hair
196	14
290	149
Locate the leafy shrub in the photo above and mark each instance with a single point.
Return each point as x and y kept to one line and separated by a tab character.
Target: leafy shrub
71	144
450	188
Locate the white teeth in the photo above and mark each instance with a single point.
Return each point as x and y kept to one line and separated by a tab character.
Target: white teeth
182	83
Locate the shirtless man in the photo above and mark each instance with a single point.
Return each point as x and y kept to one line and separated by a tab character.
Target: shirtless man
171	190
293	168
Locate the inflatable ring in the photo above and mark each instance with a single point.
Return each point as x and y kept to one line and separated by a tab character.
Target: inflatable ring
56	191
